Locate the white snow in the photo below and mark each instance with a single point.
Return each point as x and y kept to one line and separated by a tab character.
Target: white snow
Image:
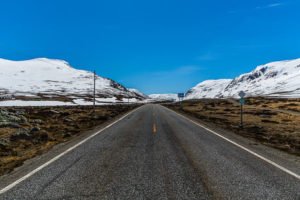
276	79
208	89
131	100
99	101
280	78
51	77
138	92
164	97
45	75
76	102
10	103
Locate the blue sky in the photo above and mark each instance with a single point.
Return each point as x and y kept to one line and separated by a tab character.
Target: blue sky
157	46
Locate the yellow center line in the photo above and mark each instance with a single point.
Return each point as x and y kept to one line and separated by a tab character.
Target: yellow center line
154	128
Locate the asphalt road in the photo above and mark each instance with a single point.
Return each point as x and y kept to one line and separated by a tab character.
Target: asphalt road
153	153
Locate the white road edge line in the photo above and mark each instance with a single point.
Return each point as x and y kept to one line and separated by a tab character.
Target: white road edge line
10	186
242	147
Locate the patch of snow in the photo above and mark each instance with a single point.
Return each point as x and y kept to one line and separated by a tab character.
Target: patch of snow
16	103
82	102
131	100
164	97
106	100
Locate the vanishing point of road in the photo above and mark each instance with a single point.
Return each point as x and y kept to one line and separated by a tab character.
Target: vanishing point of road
154	153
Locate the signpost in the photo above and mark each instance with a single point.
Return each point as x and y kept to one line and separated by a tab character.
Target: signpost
180	97
242	94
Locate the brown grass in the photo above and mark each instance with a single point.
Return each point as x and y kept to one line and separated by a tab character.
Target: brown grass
56	124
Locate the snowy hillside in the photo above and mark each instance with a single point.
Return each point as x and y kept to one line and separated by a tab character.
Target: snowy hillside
208	89
276	79
280	79
164	97
46	79
139	93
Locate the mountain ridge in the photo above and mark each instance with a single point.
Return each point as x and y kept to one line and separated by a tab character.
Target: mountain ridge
274	79
42	78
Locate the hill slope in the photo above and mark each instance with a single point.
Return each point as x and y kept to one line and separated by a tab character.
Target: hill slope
275	79
55	79
164	97
208	89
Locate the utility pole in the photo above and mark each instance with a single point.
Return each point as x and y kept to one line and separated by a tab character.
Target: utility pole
94	96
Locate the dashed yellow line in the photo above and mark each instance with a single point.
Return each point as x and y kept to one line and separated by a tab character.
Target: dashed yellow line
154	129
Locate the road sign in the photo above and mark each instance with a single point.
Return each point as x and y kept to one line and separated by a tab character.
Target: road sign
242	94
242	101
180	95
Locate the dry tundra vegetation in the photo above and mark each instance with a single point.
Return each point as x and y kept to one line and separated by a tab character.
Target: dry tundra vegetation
274	122
30	131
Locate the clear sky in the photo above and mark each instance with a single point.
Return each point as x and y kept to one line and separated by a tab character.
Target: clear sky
157	46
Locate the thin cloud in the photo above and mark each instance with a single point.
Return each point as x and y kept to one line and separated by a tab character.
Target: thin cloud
275	5
269	6
272	5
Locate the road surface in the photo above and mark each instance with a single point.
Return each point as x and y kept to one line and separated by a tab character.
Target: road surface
154	153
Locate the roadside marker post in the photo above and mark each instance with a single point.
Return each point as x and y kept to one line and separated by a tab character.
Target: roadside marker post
242	94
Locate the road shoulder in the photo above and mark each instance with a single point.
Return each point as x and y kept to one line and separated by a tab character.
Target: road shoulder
289	161
36	162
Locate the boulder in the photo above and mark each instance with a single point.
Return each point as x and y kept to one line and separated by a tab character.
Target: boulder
34	130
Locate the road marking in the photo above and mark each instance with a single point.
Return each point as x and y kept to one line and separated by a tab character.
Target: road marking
242	147
10	186
154	128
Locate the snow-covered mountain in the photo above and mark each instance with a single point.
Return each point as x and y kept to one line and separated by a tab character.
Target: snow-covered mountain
55	79
139	93
164	97
276	79
208	89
